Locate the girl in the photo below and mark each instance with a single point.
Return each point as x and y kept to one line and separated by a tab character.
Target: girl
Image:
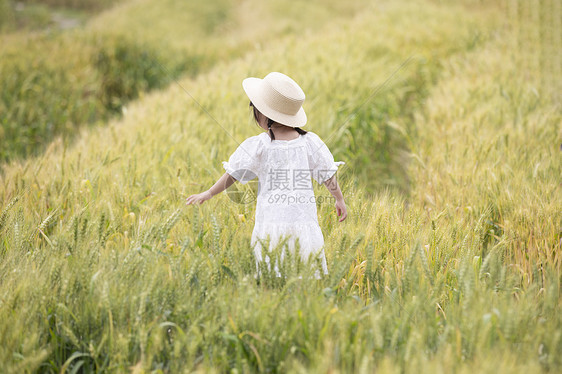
285	159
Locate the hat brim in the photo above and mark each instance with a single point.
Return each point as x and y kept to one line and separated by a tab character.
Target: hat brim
252	87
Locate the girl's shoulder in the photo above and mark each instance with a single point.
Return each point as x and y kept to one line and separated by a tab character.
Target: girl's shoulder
313	140
256	139
311	136
262	140
255	144
263	137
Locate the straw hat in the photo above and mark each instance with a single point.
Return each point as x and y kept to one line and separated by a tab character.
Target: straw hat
277	97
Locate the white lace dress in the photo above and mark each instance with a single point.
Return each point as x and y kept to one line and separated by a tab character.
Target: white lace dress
286	205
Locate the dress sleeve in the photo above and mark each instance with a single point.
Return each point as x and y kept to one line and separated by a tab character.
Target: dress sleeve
320	159
243	164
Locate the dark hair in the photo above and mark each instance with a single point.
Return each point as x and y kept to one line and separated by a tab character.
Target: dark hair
270	122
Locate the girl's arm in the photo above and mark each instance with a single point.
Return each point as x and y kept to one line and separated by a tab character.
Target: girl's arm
222	184
334	188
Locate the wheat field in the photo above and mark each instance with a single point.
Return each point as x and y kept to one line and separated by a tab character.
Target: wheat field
448	116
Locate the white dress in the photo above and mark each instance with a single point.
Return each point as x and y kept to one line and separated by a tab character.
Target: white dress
286	205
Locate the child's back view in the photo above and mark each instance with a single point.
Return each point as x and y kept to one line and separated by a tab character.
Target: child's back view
285	159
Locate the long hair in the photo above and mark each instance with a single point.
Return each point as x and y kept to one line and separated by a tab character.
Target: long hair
270	122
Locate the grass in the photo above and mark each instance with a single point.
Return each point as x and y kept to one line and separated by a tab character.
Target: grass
448	262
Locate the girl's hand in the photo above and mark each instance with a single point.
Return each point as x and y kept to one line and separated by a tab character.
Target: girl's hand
199	198
341	210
